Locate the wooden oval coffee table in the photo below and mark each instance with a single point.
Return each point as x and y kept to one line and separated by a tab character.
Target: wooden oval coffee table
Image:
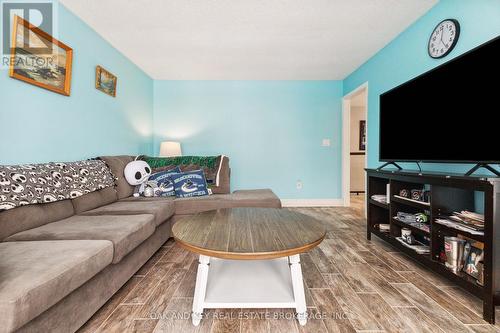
252	255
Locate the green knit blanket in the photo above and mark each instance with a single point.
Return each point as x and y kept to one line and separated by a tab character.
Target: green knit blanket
209	164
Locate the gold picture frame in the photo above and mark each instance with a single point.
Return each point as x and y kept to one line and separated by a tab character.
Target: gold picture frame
105	81
49	71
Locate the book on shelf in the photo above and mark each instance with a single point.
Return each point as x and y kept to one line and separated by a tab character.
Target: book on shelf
460	226
419	248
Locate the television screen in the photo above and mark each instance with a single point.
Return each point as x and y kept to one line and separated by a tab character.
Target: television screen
449	114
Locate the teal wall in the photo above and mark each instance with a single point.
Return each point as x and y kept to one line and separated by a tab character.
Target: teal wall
271	130
39	125
406	57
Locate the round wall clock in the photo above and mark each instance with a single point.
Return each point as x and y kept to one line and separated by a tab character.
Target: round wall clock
444	38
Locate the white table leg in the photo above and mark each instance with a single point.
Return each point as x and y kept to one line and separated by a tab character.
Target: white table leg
200	289
298	289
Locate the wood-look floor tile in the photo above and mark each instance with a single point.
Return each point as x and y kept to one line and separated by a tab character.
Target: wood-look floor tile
226	321
431	309
175	254
336	320
160	298
457	309
470	301
146	268
314	323
483	328
311	274
186	287
417	320
282	321
384	313
100	316
345	250
120	320
357	312
384	288
356	264
176	317
143	326
147	285
381	267
322	262
354	275
254	321
434	278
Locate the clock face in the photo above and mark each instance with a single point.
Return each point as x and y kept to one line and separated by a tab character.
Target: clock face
444	38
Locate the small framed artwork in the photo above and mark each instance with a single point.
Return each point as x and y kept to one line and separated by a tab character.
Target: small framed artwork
362	135
472	265
39	59
105	81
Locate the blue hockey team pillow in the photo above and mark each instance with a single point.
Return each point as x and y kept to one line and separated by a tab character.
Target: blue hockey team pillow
164	182
190	184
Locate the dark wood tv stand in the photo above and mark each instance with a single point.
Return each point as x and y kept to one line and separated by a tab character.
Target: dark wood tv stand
448	193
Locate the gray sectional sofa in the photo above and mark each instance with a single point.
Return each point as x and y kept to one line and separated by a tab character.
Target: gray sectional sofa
61	261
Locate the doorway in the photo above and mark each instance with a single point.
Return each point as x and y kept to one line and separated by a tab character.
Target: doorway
354	147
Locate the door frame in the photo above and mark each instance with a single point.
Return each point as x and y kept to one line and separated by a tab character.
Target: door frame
346	141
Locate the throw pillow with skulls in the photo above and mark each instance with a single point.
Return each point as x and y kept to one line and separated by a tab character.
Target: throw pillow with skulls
48	182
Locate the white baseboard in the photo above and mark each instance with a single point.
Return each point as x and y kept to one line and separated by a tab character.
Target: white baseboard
312	202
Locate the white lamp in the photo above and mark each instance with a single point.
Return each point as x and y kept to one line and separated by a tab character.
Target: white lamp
170	149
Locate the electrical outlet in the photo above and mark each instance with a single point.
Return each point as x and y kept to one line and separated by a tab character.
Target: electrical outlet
299	185
325	143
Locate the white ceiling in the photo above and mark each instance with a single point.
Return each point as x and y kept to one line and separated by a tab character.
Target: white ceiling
249	39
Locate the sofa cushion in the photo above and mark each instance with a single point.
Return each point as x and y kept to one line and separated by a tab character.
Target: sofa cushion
244	198
32	216
117	165
162	209
195	205
125	232
264	198
36	275
94	200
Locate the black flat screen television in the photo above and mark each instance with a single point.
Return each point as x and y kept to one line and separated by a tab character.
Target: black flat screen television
449	114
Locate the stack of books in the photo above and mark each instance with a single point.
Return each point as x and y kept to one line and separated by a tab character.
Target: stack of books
470	222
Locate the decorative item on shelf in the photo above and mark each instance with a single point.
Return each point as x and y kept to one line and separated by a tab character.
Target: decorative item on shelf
404	193
454	250
170	149
406	217
421	218
384	227
40	59
105	81
407	236
382	198
473	256
417	194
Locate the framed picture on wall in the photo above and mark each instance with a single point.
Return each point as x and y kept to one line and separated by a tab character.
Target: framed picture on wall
362	135
39	59
105	81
